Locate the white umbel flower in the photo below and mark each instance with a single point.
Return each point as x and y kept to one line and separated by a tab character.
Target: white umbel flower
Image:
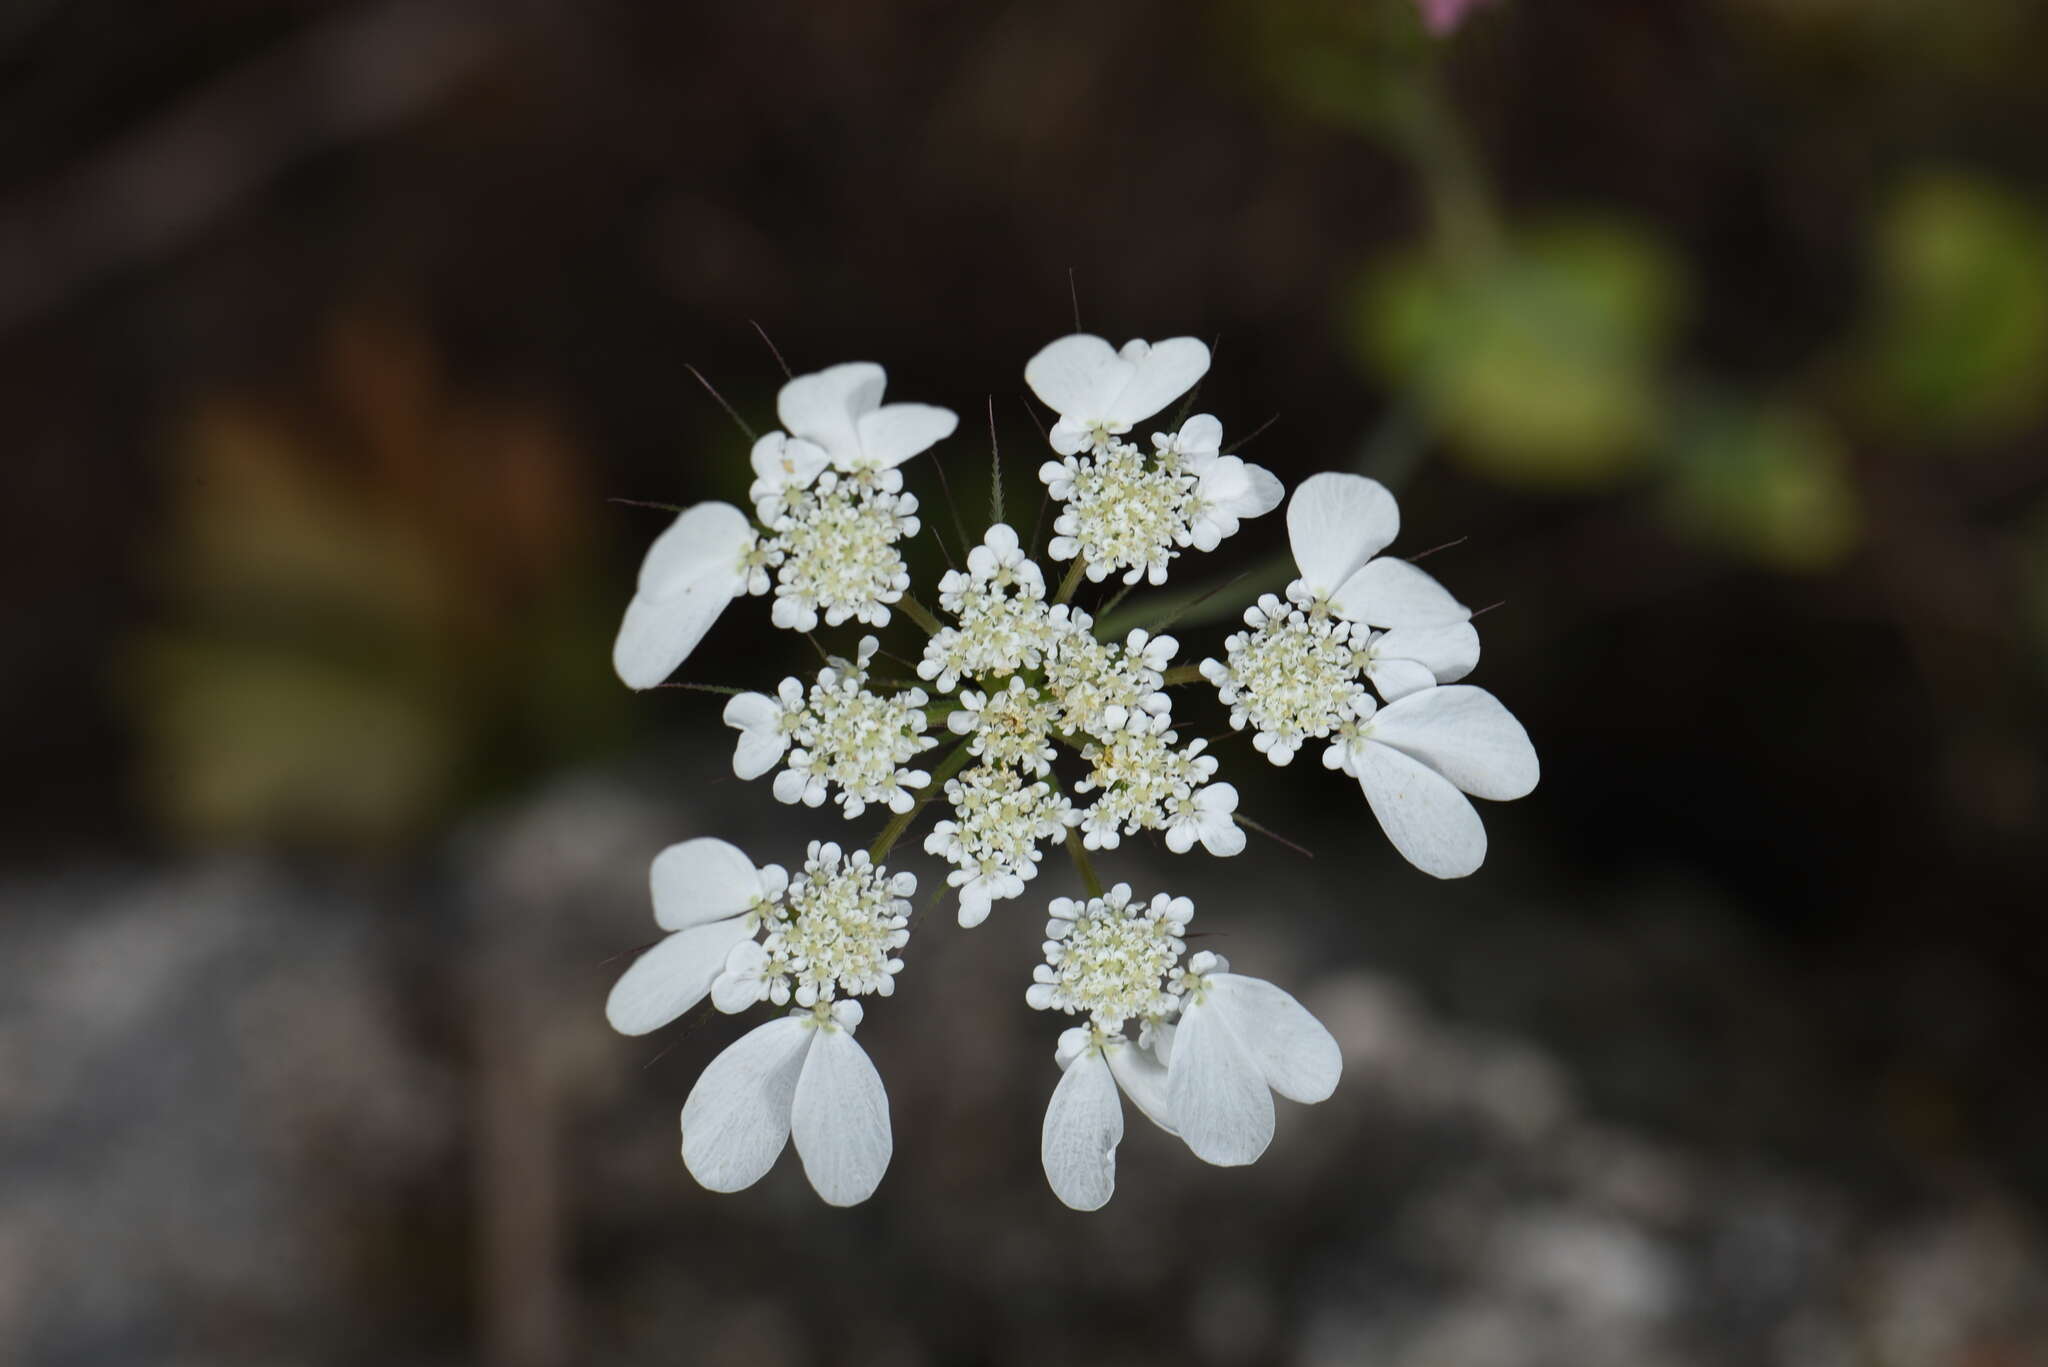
835	932
1010	725
710	897
844	740
1418	757
992	839
839	411
835	553
708	556
1101	392
1227	489
1291	678
1084	1121
1238	1041
1003	621
802	1075
1120	512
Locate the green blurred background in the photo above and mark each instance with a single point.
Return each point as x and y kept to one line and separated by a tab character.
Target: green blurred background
1714	333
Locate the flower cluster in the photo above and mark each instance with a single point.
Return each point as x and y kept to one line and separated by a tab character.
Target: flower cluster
1058	727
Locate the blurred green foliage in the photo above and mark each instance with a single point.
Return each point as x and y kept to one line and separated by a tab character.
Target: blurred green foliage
1540	362
1767	480
1958	341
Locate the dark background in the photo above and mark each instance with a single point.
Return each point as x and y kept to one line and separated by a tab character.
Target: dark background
1714	332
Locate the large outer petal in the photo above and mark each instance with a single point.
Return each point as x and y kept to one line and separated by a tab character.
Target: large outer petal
1165	371
672	977
1077	376
1297	1056
824	407
736	1118
701	880
841	1120
1143	1078
1393	593
1084	1122
1218	1097
1450	653
895	432
1430	822
1466	735
1337	522
701	546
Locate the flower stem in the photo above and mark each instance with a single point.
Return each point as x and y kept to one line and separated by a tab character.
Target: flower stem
1083	864
955	760
1072	581
919	613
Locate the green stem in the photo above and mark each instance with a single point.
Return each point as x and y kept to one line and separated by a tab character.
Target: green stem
953	763
1072	581
1083	864
918	613
1181	674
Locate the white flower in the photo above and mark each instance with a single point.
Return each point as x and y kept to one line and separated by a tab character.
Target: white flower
1417	757
1100	686
1119	511
784	466
1100	392
835	553
1239	1040
1111	960
707	557
836	930
992	840
1227	488
1011	725
1336	525
846	738
710	897
801	1075
1003	621
1143	780
1292	677
840	411
1204	815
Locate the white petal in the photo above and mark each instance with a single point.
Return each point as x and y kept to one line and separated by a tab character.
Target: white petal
701	880
1449	653
1143	1078
1397	678
1466	735
1084	1122
738	984
736	1118
1165	371
1430	822
895	432
762	740
1077	376
672	977
1215	1092
1265	493
1202	434
1393	593
1337	522
841	1120
824	407
1297	1056
691	572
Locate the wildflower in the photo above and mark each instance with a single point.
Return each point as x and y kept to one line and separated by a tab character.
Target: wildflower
1227	489
710	897
839	411
1417	757
1003	621
836	929
835	553
1099	392
708	556
801	1075
845	737
993	836
1239	1040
